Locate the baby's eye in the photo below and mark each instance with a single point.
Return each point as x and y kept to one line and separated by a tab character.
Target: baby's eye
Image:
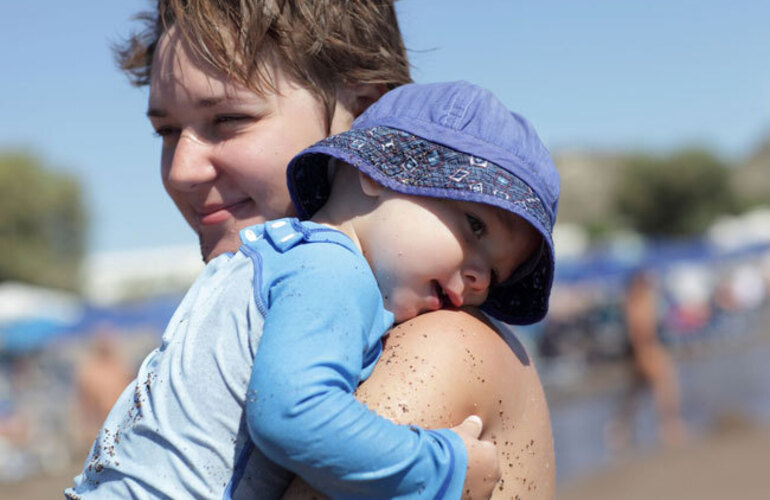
476	225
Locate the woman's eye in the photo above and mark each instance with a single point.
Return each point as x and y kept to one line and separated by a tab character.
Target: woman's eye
224	119
224	126
165	131
476	225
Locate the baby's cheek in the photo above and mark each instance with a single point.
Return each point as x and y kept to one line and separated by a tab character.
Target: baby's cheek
402	307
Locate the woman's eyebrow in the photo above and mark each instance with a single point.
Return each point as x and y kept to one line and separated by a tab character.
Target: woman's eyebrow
206	102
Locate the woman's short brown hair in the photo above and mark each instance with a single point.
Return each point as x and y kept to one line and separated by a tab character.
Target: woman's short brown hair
322	44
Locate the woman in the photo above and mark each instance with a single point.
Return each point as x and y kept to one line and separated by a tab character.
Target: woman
236	89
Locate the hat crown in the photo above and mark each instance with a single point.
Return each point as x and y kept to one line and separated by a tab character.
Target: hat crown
470	119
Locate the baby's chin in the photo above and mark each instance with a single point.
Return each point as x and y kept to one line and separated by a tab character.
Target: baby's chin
404	311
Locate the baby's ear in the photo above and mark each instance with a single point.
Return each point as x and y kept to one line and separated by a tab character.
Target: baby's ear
369	186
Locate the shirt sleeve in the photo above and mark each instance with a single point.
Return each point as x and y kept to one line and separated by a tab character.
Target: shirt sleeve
301	411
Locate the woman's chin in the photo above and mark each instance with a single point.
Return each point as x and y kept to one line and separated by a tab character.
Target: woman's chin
215	245
221	238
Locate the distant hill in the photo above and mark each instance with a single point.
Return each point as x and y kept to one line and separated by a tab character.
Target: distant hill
752	179
588	181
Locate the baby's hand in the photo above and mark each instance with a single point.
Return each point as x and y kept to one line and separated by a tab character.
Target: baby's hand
483	467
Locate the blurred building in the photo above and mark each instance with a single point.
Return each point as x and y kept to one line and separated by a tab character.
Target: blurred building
113	277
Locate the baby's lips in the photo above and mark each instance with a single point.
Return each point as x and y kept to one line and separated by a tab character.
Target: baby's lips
455	299
447	297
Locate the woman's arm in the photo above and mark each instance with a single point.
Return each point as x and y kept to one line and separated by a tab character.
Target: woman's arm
441	367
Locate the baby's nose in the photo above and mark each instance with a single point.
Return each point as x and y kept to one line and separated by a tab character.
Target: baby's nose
477	281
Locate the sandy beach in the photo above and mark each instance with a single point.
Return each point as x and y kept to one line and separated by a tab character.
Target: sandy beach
730	462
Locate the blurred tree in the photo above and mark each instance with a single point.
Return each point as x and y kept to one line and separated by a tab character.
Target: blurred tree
42	223
679	195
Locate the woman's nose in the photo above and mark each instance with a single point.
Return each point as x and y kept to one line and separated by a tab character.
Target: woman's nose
188	163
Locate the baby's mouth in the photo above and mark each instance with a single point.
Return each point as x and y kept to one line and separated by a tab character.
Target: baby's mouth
443	300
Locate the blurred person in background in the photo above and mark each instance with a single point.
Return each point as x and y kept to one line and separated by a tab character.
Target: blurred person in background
652	364
100	377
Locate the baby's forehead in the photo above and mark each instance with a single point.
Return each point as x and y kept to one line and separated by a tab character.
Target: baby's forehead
516	228
513	222
510	221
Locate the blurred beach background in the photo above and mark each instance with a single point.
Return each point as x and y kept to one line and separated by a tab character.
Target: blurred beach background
658	117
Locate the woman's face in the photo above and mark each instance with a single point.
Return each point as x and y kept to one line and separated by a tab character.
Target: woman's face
225	147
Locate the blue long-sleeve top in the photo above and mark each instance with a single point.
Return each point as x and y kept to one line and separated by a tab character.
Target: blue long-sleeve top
323	323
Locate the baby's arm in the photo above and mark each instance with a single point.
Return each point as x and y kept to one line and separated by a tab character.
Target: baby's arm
444	365
448	364
319	333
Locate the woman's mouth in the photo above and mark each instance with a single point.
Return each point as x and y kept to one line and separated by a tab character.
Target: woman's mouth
219	214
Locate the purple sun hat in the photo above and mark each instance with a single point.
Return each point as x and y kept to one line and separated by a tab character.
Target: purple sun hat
453	141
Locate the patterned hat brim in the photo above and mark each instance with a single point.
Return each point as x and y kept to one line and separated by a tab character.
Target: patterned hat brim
411	165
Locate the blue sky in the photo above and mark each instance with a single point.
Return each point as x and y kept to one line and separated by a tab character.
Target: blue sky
653	75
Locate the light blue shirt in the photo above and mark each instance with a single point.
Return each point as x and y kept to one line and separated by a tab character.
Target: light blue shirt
269	344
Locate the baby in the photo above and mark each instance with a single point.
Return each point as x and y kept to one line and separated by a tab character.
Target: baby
437	197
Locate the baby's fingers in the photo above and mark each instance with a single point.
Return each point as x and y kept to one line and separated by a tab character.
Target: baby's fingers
483	470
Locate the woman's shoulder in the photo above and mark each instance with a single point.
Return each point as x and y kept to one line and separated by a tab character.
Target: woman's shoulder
467	337
457	356
445	365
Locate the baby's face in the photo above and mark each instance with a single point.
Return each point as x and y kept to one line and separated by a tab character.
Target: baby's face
428	253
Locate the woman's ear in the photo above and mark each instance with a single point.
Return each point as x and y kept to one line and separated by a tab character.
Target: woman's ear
369	186
352	100
362	95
